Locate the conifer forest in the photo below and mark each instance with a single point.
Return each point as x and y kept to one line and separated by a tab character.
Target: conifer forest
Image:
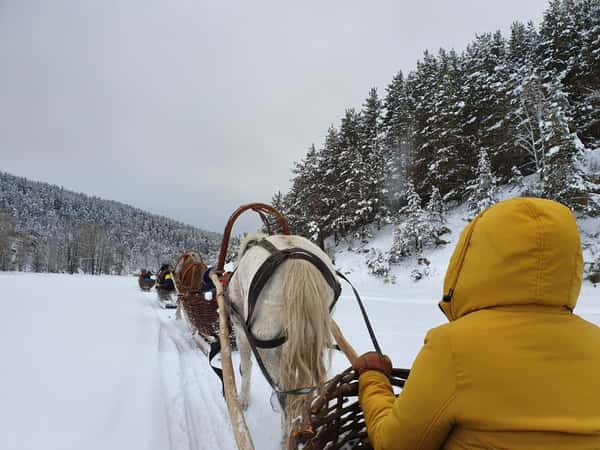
520	110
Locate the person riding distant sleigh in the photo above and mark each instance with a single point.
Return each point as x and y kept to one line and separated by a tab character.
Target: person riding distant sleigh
515	368
165	278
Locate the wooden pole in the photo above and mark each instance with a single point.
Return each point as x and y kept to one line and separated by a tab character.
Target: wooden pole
343	343
238	422
174	282
179	305
261	209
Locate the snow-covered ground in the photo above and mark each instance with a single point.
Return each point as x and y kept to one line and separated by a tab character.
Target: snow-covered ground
94	363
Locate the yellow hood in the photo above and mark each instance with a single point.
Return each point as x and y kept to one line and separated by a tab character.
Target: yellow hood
523	251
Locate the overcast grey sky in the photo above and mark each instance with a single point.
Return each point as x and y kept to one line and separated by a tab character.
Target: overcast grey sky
190	108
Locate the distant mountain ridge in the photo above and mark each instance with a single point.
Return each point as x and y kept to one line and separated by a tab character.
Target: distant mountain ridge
46	228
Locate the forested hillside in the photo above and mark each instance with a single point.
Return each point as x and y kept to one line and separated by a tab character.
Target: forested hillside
46	228
521	109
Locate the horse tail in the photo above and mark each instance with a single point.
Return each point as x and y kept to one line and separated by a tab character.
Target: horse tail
307	297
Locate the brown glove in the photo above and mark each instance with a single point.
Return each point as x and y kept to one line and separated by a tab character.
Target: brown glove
373	361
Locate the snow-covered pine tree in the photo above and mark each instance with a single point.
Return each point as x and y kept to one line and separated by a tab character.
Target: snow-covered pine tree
441	150
526	100
586	74
531	106
501	151
278	201
7	234
415	231
522	45
413	207
565	179
436	212
516	180
435	207
449	167
373	208
483	188
423	89
352	212
569	52
331	169
558	39
378	263
398	126
304	204
294	200
487	105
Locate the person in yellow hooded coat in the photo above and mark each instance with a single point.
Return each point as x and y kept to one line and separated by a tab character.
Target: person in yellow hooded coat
515	368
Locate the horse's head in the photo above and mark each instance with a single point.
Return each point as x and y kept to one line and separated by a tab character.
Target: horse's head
188	272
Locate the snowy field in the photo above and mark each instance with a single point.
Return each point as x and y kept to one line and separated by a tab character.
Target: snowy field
93	363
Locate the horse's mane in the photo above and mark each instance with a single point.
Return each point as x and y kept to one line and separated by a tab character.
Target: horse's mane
247	241
305	297
307	320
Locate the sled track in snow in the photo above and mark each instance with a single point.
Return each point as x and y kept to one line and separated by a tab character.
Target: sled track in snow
196	413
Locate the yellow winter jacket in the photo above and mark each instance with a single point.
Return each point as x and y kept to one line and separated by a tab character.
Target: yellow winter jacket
515	368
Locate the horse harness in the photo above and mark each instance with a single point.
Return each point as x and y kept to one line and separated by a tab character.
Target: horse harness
264	273
261	277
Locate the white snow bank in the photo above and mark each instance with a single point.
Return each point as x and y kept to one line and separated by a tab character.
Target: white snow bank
79	365
92	363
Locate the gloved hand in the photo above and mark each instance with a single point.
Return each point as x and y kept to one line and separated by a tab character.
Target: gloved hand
373	361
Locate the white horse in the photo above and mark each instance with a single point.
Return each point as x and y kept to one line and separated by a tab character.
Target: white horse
294	302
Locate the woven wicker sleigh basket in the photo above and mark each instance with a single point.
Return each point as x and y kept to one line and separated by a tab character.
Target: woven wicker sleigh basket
202	314
334	419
